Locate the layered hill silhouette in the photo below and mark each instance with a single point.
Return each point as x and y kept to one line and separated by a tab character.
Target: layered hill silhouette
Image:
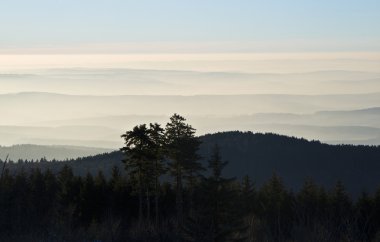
56	152
111	81
260	155
46	118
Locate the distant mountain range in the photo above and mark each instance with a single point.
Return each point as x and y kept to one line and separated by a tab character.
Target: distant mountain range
54	119
27	108
260	155
335	106
118	81
36	152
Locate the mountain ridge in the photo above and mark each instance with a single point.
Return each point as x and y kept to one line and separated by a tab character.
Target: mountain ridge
195	95
49	152
259	155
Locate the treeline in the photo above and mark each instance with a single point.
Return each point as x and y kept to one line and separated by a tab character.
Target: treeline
80	166
167	194
258	155
41	206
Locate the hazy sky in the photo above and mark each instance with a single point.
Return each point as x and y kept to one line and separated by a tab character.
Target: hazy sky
270	36
114	26
182	47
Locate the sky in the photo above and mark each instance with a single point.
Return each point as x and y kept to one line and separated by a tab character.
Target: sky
183	47
197	26
251	36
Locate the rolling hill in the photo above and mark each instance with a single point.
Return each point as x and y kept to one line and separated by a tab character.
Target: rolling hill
58	152
260	155
346	126
120	81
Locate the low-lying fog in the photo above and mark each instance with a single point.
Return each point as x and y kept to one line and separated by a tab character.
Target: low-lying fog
93	104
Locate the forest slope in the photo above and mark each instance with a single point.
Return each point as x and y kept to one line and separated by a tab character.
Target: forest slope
260	155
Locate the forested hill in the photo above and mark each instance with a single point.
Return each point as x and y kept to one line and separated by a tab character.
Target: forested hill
260	155
50	152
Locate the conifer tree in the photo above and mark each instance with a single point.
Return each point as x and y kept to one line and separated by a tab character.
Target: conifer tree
87	199
276	208
340	210
248	194
216	217
182	147
156	134
66	182
137	155
365	210
8	188
120	200
101	194
308	207
37	199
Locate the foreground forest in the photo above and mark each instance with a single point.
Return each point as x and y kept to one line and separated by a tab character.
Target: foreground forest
63	207
166	193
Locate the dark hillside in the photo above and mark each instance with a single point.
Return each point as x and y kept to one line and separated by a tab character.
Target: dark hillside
259	155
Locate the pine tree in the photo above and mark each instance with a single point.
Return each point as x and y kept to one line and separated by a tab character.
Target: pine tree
37	199
66	182
340	210
119	192
308	203
276	208
87	200
137	160
216	217
21	193
101	195
8	188
376	213
248	195
365	210
182	147
68	197
156	134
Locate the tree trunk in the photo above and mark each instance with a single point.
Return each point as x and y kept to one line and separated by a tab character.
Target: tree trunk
156	193
191	191
140	199
147	204
179	198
